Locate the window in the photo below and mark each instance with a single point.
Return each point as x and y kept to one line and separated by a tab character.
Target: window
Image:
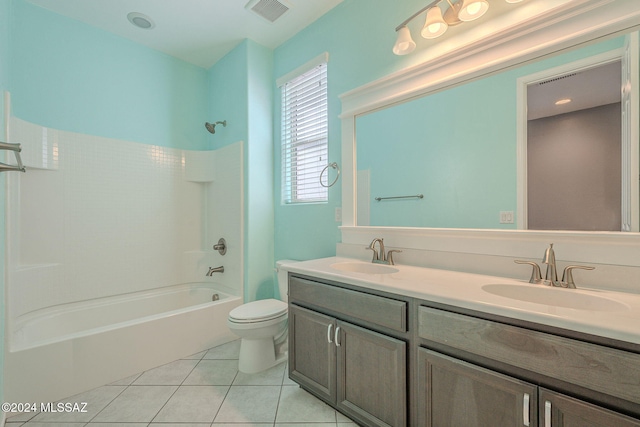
304	132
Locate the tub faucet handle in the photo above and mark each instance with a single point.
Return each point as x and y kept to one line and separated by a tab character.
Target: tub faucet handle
221	247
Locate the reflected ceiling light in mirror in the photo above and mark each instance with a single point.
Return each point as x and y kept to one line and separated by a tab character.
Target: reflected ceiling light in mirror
563	101
437	22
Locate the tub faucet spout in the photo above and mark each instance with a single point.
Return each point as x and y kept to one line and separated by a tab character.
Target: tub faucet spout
215	270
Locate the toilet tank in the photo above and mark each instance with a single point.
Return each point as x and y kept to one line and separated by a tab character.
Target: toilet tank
282	277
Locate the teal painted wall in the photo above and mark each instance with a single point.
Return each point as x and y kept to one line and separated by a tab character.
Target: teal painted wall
446	146
71	76
358	35
227	95
5	13
241	91
457	147
259	174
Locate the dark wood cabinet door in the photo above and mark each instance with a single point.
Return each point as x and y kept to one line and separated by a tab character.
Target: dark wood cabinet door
453	393
312	352
558	410
372	371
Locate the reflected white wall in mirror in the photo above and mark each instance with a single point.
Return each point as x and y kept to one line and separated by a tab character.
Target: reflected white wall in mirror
573	146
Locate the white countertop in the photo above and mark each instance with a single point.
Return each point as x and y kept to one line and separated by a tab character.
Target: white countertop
465	290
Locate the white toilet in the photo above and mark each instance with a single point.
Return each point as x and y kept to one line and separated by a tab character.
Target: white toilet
262	326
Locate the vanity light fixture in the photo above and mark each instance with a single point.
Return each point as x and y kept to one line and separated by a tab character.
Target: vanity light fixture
563	101
437	22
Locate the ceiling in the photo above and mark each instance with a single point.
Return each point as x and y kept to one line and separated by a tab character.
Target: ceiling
586	89
197	31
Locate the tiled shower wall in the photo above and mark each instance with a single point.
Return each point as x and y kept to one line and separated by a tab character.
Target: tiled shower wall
95	217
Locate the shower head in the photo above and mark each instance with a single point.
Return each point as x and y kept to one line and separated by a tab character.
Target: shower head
212	127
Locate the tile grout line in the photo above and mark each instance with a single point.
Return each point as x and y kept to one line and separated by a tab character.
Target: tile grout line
181	384
132	384
114	398
226	394
284	375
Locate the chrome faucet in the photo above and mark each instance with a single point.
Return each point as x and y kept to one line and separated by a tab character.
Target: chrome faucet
215	270
551	275
380	257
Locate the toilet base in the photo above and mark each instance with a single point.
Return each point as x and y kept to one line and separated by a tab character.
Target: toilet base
257	355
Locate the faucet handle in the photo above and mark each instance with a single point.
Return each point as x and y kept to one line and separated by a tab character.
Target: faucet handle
376	257
536	274
567	275
390	255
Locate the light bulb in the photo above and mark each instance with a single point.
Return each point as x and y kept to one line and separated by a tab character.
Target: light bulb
472	9
404	43
434	25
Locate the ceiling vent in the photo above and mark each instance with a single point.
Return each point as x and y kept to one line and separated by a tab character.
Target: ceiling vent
270	10
557	78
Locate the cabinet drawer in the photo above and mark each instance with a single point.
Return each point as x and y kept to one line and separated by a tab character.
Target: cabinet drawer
595	367
381	311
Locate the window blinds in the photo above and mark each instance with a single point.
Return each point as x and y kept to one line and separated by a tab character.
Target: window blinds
304	136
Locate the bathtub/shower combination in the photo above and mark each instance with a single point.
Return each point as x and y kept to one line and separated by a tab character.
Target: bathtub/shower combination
63	350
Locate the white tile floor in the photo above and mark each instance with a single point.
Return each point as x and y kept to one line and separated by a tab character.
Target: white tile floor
205	389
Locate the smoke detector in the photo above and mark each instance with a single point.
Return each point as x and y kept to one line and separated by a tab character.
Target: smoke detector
270	10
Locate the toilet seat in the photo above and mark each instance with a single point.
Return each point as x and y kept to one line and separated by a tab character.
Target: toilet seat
258	311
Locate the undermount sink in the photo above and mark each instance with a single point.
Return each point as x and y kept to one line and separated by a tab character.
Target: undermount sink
567	298
361	267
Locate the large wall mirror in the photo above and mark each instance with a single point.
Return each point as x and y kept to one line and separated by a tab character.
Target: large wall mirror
482	155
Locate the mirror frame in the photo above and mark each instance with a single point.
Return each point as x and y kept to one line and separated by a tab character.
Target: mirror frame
564	25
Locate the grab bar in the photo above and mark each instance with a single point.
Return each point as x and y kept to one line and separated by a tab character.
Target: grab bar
16	148
417	196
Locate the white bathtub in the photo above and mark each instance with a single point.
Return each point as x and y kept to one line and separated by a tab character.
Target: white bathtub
60	351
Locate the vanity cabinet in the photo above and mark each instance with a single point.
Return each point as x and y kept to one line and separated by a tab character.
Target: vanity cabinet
452	392
390	360
558	410
455	393
459	389
358	370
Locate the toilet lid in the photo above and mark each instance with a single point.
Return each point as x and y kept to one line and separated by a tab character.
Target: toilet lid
265	309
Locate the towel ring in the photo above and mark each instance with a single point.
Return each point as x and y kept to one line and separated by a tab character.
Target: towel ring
335	166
